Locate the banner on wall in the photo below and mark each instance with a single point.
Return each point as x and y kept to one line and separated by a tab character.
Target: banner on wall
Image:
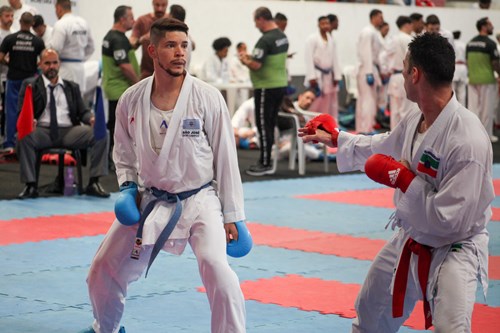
47	9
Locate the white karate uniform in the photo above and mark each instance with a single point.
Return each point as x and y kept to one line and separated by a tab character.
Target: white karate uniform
461	76
244	118
369	46
323	54
216	69
453	207
72	39
198	148
395	54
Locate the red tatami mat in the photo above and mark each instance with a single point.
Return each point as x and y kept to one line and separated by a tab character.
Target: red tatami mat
315	241
19	231
333	297
331	244
376	198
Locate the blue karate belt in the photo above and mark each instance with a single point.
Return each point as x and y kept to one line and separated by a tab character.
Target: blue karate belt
323	70
170	198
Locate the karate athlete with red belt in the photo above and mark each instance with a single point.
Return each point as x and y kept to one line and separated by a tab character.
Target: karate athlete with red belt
439	159
175	156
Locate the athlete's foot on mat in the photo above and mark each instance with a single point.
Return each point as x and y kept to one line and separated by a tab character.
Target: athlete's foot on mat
260	170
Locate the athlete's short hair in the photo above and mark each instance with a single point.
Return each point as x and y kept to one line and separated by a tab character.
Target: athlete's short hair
163	25
434	56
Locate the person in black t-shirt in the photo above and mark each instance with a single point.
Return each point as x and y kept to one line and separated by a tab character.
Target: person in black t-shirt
20	51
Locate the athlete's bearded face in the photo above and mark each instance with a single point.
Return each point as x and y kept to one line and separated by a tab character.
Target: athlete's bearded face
169	54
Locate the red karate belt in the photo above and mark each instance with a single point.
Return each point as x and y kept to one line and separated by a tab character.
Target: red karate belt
424	265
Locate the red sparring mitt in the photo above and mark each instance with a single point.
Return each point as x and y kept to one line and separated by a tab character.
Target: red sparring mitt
386	170
326	123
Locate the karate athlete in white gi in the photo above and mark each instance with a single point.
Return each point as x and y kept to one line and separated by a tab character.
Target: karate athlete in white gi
444	190
368	78
395	54
322	69
72	39
173	133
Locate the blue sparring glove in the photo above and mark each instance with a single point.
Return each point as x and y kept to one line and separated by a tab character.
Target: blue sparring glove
370	79
243	245
126	209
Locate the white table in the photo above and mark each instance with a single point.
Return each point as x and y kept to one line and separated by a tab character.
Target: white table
232	89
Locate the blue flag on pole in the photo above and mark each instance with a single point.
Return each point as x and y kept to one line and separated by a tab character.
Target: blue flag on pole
100	131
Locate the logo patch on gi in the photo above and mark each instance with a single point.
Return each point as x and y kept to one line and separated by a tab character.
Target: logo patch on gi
429	164
191	128
119	55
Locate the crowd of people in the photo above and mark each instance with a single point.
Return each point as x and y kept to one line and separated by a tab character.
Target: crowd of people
378	75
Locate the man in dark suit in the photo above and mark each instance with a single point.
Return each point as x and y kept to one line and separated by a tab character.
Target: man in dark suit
62	120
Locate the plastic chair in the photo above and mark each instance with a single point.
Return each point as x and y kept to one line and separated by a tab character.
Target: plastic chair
297	151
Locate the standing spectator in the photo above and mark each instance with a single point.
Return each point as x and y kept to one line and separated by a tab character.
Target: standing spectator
281	21
179	13
323	71
399	105
216	66
22	49
19	8
140	34
368	78
269	78
71	38
6	17
41	29
334	22
482	61
433	25
62	120
120	68
460	76
417	24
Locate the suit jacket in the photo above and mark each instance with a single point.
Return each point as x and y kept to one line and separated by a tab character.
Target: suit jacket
77	111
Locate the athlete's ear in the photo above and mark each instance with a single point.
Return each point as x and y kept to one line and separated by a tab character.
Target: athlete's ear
152	50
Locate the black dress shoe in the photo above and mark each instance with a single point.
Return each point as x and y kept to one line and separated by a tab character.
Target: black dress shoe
29	192
95	189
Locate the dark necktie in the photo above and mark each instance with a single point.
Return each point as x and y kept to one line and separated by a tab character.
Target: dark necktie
54	134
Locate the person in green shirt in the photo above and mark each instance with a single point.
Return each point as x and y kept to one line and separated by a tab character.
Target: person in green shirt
267	66
482	61
120	68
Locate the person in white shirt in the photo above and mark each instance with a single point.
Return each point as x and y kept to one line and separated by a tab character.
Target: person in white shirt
323	71
460	78
368	78
41	29
20	8
244	125
433	25
72	39
396	52
216	67
239	72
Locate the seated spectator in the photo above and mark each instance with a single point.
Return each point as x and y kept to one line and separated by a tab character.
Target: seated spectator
239	72
59	111
300	108
216	67
41	29
244	127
